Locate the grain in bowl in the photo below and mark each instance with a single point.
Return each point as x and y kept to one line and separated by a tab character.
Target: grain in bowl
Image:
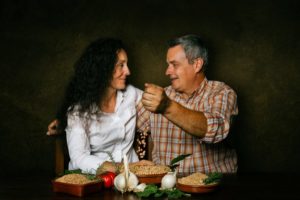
75	179
140	170
193	179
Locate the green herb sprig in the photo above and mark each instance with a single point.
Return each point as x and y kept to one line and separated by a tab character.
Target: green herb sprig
102	169
153	191
173	164
112	159
214	177
89	176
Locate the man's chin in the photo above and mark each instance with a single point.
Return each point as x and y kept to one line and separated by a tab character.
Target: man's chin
174	86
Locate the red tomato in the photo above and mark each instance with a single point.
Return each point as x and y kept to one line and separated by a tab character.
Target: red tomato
111	174
108	179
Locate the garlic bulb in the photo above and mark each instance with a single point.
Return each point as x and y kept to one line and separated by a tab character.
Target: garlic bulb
126	181
168	181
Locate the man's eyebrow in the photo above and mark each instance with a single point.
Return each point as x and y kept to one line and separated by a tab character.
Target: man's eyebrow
172	62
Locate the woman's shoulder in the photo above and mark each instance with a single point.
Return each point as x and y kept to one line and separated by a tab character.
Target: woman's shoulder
130	89
133	92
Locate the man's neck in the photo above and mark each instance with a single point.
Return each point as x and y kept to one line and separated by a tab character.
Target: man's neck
196	84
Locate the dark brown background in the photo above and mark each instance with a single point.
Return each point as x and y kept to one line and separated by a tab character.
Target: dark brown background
254	48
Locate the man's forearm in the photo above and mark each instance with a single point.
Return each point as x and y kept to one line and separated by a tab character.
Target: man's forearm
192	122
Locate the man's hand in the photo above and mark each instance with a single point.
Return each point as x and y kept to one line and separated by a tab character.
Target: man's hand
52	128
155	99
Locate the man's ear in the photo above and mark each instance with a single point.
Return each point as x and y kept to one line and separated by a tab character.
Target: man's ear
198	64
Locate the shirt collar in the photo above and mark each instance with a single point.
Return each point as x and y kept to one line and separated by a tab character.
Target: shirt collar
121	94
120	98
196	92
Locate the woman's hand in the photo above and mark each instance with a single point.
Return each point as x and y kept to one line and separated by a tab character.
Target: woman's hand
107	167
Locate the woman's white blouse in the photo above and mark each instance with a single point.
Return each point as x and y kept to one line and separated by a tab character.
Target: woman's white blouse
88	140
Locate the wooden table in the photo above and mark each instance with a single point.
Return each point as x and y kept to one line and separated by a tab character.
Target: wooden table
241	186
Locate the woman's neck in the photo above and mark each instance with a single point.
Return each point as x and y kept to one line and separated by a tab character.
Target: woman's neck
108	103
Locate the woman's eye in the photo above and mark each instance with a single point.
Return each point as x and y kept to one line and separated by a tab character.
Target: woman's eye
122	64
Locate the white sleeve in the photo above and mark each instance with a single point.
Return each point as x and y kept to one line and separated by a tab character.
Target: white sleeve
79	146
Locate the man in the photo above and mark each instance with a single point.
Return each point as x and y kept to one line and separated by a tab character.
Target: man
193	115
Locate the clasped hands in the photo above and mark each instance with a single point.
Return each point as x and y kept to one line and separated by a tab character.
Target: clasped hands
154	98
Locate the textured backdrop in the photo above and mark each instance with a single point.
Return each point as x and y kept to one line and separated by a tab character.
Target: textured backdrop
254	48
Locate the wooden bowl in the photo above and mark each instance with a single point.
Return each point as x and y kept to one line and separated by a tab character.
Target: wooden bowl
151	179
197	188
77	189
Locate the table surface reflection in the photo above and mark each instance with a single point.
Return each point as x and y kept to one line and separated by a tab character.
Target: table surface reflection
240	186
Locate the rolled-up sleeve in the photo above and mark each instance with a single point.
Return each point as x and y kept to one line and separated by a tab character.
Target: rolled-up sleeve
143	118
219	114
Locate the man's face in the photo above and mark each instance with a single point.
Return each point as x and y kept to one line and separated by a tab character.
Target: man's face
181	72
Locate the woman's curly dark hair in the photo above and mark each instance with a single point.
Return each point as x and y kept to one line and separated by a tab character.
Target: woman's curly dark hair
93	74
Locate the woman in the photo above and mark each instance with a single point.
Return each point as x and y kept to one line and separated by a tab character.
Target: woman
99	110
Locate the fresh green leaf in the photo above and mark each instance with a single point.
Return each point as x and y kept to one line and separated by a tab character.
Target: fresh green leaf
89	176
214	177
175	194
149	190
173	167
152	190
179	158
159	193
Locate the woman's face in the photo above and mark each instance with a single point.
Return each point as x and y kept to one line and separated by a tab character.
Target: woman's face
121	71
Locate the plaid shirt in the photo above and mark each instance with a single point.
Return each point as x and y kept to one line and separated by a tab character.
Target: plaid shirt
209	154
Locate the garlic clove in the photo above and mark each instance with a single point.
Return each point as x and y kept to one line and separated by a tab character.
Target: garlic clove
120	183
133	181
140	188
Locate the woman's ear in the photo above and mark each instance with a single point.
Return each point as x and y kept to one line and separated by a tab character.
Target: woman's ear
198	64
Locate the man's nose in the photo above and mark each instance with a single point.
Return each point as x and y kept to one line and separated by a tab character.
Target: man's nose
168	71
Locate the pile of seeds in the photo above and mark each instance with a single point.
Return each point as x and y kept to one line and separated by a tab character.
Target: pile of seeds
74	179
148	169
193	179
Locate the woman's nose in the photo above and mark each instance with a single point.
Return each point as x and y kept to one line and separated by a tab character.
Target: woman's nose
127	71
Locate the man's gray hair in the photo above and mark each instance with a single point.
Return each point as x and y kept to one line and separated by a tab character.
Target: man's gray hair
193	46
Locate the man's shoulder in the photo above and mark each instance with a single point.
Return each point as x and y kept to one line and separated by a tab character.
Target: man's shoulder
214	86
